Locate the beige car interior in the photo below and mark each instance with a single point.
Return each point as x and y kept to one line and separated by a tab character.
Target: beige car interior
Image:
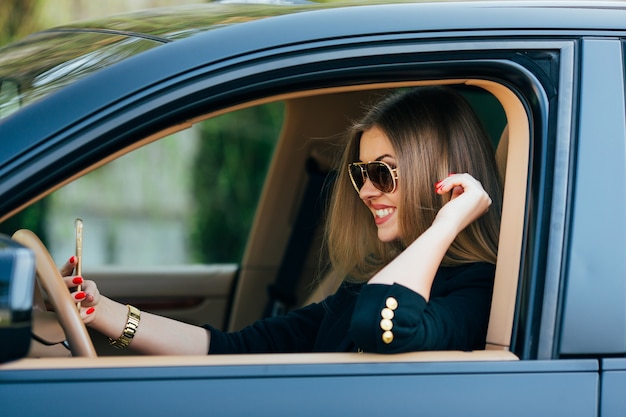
314	124
322	132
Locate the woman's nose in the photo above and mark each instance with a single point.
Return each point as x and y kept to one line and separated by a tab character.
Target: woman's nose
368	190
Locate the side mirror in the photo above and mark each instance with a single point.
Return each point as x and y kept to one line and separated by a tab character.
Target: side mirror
17	280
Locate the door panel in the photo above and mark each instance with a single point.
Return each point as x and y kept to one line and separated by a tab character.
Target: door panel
195	294
613	382
215	386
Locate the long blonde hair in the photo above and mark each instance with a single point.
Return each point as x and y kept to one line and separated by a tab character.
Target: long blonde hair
434	132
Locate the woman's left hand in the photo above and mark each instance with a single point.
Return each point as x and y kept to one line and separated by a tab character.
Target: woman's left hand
468	202
88	296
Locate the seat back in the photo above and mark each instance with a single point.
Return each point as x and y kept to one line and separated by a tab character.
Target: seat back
507	288
512	158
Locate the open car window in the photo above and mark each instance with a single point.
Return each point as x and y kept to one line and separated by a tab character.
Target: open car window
229	191
188	198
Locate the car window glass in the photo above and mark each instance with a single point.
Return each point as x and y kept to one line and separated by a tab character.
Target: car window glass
187	198
69	57
9	97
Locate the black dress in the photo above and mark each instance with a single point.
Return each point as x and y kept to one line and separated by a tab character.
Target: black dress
455	318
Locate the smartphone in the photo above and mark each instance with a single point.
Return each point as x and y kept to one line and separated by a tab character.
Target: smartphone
78	270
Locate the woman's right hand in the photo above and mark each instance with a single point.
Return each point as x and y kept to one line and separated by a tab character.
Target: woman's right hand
468	201
88	296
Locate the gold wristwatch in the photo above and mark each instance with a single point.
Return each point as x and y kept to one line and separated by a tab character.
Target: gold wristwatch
132	322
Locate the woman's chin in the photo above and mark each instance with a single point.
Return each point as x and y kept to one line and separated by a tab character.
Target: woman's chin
386	235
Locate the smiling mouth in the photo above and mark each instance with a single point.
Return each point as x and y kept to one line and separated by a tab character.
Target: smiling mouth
382	213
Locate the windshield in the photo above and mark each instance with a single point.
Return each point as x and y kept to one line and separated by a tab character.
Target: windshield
47	61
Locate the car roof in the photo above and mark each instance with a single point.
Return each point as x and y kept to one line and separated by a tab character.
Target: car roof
51	59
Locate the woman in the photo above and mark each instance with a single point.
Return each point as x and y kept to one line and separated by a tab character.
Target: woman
419	260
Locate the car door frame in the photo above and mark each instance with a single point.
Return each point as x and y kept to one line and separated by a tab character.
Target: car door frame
548	381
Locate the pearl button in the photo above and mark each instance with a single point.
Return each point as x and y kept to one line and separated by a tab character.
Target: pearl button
387	313
387	337
391	303
386	324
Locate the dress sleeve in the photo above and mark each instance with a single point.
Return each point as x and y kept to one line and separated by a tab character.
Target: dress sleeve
293	332
393	318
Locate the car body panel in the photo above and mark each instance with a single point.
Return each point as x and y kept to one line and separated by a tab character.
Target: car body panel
597	247
613	382
563	388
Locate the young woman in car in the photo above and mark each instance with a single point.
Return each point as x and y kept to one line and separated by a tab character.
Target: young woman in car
413	226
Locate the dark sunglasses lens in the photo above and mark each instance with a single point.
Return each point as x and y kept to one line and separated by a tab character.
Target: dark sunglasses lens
381	176
356	174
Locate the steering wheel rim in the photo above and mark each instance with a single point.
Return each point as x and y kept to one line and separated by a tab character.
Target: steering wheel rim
50	279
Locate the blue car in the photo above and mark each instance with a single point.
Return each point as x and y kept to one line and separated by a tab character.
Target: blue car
105	120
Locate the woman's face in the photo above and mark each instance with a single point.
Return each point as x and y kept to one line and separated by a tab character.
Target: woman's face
375	146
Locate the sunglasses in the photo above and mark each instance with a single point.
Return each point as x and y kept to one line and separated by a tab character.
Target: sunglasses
382	176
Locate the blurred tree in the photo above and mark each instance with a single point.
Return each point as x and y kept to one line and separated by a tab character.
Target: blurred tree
32	218
228	175
18	18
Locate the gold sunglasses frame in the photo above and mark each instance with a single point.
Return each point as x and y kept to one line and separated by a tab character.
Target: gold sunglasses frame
365	175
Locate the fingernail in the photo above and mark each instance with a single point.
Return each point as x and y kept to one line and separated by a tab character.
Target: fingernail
72	260
451	174
90	310
77	280
437	184
79	295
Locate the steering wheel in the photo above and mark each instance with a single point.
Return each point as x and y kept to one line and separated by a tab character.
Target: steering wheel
50	279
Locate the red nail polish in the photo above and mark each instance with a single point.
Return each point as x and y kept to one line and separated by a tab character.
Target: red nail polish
79	295
90	310
77	280
451	174
73	260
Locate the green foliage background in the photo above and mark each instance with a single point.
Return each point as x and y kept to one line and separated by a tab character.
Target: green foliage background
228	175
